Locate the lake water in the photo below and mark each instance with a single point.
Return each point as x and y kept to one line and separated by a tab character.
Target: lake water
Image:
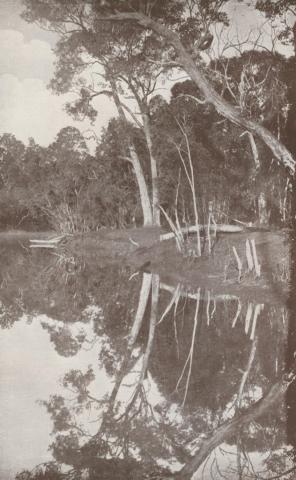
115	374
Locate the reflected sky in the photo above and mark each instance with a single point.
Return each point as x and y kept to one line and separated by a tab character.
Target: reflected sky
30	370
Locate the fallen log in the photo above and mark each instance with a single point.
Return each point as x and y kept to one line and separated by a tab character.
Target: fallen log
43	245
222	228
54	240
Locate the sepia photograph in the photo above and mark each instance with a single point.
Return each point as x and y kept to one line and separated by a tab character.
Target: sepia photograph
147	240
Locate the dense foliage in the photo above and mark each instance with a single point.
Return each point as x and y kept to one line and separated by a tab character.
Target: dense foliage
64	187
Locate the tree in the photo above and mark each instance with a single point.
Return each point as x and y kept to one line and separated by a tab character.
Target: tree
126	75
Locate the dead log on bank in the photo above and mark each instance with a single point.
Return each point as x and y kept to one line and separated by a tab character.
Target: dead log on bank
222	228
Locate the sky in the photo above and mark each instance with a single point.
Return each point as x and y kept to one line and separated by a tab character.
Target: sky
27	107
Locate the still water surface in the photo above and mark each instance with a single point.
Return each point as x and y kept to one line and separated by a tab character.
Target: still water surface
110	375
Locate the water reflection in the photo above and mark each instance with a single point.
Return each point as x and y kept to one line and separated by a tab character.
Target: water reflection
143	377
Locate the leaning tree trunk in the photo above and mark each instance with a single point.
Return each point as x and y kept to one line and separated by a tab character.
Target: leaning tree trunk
144	195
134	159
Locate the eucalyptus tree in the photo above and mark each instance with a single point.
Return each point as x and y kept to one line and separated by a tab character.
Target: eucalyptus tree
138	80
131	81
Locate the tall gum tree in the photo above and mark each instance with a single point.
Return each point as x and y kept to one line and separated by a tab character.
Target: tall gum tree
135	161
138	79
129	77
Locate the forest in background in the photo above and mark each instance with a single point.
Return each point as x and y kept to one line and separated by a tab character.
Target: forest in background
184	157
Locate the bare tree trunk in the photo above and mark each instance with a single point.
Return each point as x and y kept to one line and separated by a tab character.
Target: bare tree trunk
144	195
154	174
143	190
146	127
231	113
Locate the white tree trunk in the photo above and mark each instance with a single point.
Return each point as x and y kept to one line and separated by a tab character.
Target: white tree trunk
143	190
153	167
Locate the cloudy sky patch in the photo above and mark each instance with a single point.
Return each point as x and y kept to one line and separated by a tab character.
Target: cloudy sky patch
32	59
27	107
